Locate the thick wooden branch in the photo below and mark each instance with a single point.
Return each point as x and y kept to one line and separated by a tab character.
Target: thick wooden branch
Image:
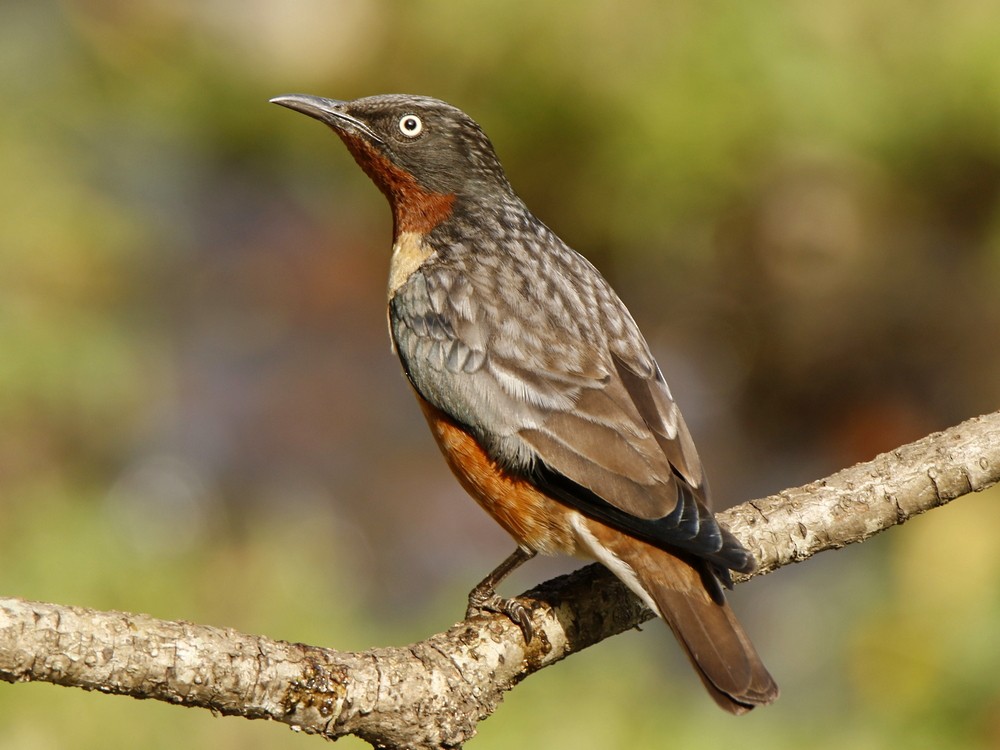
433	694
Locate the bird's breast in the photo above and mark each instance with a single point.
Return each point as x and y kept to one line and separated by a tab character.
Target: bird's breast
409	252
535	520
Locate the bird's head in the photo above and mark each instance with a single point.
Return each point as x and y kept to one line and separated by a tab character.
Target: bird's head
421	152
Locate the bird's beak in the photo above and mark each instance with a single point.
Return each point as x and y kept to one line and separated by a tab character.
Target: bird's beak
329	111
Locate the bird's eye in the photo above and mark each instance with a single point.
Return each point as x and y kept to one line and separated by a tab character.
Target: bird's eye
411	126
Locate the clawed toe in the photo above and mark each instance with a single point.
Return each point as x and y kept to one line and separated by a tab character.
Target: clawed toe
483	598
482	601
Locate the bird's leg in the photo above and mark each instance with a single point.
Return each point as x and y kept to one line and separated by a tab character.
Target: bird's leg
485	598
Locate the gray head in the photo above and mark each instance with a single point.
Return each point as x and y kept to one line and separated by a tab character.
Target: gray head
397	138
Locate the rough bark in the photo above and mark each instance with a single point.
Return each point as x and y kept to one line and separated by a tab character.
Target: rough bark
433	694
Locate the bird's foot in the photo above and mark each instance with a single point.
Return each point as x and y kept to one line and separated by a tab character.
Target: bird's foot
487	600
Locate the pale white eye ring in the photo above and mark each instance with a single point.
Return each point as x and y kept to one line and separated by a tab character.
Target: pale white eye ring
411	126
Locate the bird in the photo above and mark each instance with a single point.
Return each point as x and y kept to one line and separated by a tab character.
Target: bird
539	388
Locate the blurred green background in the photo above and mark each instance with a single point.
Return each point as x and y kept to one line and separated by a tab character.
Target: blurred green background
200	417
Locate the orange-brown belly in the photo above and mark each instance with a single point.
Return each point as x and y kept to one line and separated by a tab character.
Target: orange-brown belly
534	520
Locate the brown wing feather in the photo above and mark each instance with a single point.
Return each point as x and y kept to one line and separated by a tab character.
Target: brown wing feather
652	399
601	441
623	442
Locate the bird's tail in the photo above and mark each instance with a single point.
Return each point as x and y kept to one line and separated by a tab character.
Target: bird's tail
689	598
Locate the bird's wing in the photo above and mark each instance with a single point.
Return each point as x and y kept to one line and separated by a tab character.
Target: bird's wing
561	387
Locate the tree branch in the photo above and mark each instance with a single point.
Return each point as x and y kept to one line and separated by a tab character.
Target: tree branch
433	694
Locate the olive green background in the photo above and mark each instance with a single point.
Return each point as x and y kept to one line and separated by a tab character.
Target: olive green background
200	417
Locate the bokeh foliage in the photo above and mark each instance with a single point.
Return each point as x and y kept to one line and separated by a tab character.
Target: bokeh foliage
200	418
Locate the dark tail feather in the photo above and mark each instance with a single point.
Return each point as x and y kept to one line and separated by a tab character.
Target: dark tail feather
718	647
706	627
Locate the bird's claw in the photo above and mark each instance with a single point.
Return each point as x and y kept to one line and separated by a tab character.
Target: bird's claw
490	601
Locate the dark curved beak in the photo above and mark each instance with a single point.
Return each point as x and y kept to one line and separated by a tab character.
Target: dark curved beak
329	111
